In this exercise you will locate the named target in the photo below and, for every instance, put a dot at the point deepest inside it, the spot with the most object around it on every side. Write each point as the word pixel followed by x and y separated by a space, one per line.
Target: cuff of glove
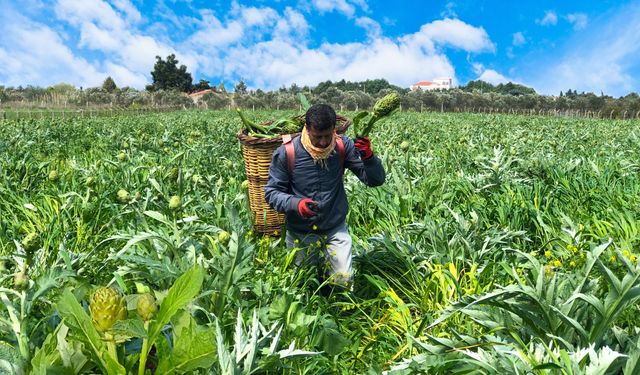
pixel 370 160
pixel 366 157
pixel 293 205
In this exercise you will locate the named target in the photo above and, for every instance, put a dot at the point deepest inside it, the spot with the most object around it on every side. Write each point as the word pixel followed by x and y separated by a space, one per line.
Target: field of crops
pixel 498 244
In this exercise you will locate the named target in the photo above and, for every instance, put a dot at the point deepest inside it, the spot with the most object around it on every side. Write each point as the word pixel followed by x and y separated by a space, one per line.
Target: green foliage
pixel 203 84
pixel 509 88
pixel 498 244
pixel 109 85
pixel 167 75
pixel 371 86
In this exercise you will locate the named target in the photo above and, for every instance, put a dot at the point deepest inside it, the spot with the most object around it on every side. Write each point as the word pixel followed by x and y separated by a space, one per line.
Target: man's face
pixel 320 138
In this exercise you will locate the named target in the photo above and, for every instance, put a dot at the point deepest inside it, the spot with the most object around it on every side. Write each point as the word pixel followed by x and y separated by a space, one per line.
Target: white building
pixel 436 84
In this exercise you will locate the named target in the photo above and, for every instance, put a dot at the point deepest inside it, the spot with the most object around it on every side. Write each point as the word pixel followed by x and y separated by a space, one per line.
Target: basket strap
pixel 340 146
pixel 290 152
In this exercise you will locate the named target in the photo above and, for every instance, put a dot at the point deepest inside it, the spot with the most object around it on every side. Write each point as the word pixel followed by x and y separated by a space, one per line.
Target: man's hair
pixel 320 117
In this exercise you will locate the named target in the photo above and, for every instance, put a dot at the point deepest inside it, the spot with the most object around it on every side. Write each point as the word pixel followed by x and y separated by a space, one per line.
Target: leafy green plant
pixel 109 360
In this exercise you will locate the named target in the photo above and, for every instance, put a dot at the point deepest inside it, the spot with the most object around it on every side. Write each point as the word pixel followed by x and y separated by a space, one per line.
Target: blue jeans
pixel 331 251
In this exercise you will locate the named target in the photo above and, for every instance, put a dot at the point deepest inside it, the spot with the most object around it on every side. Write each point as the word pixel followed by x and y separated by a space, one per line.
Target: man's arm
pixel 276 192
pixel 369 171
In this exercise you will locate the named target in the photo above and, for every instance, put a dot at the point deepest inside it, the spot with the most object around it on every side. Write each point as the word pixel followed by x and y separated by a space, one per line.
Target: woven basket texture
pixel 257 153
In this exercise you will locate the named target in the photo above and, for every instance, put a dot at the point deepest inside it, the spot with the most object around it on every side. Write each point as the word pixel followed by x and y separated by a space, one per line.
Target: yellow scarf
pixel 319 155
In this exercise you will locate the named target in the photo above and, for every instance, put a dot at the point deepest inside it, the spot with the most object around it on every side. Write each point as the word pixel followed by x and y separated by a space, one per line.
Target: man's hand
pixel 363 146
pixel 307 208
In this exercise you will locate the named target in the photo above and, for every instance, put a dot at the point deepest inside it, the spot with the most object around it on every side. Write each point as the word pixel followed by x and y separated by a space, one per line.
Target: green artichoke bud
pixel 174 173
pixel 107 307
pixel 245 184
pixel 141 288
pixel 223 237
pixel 198 179
pixel 386 105
pixel 20 281
pixel 404 145
pixel 88 211
pixel 89 181
pixel 123 196
pixel 146 306
pixel 31 242
pixel 125 144
pixel 122 156
pixel 53 175
pixel 382 108
pixel 175 202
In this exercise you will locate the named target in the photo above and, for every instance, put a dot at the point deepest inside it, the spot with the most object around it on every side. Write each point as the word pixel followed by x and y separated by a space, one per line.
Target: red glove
pixel 363 146
pixel 307 208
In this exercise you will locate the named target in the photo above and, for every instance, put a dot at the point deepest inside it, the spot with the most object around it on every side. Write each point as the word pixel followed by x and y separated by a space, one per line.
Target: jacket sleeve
pixel 370 172
pixel 276 191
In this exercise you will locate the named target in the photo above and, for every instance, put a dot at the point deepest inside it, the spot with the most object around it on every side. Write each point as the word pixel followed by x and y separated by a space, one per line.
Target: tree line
pixel 171 84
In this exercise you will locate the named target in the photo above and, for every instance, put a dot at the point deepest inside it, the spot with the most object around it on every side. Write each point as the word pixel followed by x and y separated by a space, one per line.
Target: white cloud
pixel 91 36
pixel 550 19
pixel 401 61
pixel 105 30
pixel 601 59
pixel 489 75
pixel 36 55
pixel 266 47
pixel 449 11
pixel 451 32
pixel 274 63
pixel 346 7
pixel 94 11
pixel 519 39
pixel 131 12
pixel 213 33
pixel 253 16
pixel 579 20
pixel 125 77
pixel 493 77
pixel 371 26
pixel 291 25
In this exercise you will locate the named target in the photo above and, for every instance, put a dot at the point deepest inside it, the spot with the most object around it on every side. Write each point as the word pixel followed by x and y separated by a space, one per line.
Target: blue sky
pixel 548 45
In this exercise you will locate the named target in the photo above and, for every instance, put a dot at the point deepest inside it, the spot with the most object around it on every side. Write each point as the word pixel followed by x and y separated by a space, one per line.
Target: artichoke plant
pixel 174 173
pixel 386 105
pixel 146 306
pixel 123 196
pixel 107 307
pixel 383 108
pixel 89 181
pixel 175 202
pixel 21 281
pixel 223 237
pixel 53 175
pixel 31 242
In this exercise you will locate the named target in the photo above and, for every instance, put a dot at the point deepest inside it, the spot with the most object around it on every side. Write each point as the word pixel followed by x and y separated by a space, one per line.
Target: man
pixel 309 189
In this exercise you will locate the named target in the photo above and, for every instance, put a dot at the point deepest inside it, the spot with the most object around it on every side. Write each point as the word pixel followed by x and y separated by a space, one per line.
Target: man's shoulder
pixel 345 138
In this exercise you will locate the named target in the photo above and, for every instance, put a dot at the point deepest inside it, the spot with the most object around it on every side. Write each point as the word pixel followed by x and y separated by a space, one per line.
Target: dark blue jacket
pixel 325 186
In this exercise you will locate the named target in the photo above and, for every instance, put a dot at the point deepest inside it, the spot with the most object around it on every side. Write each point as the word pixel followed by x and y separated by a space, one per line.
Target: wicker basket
pixel 257 153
